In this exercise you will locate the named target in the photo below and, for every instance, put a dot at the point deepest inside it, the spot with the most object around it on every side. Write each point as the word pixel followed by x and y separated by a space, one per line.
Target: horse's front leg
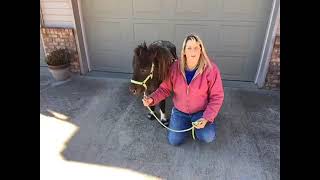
pixel 151 89
pixel 163 119
pixel 150 116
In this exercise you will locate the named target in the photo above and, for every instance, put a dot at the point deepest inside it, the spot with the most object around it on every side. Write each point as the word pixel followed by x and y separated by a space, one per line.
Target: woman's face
pixel 192 51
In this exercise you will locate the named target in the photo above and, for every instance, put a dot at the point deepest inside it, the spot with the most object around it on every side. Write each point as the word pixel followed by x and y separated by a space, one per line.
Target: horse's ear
pixel 144 45
pixel 140 48
pixel 137 51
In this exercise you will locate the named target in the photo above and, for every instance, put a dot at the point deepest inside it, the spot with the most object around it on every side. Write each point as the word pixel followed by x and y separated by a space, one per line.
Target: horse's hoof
pixel 165 122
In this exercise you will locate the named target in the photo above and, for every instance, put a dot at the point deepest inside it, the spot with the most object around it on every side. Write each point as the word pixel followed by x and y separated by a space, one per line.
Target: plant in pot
pixel 58 63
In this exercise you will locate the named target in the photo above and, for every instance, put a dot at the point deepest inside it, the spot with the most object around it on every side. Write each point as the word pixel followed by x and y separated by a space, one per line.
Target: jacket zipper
pixel 197 73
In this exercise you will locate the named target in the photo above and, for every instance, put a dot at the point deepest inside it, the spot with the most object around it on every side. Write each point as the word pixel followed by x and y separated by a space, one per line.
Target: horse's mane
pixel 140 49
pixel 163 59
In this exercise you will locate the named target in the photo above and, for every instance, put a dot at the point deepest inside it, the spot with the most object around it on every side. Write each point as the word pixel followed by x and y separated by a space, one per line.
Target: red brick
pixel 277 42
pixel 56 38
pixel 275 81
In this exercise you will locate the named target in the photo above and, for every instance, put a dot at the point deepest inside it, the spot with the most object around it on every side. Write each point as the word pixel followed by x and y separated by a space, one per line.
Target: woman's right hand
pixel 147 101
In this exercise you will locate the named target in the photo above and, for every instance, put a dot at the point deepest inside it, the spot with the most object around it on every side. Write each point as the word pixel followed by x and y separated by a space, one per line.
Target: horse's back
pixel 167 44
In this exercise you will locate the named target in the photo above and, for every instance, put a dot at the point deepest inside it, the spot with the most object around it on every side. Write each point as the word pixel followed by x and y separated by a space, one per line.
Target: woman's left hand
pixel 201 123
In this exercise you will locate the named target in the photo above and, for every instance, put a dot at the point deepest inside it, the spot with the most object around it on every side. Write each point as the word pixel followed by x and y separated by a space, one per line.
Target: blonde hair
pixel 204 60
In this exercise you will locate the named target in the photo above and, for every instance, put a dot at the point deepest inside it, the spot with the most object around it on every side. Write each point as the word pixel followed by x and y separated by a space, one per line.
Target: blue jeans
pixel 180 120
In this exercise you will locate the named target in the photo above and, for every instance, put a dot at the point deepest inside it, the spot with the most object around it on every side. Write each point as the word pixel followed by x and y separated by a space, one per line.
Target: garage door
pixel 233 30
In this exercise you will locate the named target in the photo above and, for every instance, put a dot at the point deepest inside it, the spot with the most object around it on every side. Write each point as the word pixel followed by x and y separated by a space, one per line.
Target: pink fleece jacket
pixel 205 91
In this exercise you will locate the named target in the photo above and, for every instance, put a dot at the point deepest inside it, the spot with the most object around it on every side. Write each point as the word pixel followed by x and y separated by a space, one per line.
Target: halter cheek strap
pixel 143 83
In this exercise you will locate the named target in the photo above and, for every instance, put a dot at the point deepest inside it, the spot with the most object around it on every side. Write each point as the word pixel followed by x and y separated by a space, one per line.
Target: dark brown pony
pixel 161 54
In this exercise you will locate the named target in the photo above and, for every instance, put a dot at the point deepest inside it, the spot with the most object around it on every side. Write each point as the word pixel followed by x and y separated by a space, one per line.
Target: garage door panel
pixel 108 34
pixel 111 8
pixel 264 9
pixel 235 7
pixel 147 7
pixel 190 8
pixel 234 38
pixel 239 37
pixel 231 67
pixel 155 9
pixel 251 68
pixel 113 61
pixel 257 37
pixel 247 10
pixel 150 32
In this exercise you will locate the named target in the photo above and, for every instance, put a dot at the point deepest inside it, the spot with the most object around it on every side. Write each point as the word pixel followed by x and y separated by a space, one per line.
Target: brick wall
pixel 273 75
pixel 56 38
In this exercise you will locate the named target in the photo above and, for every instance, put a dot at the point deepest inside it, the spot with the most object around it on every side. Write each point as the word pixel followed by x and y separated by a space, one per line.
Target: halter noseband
pixel 143 83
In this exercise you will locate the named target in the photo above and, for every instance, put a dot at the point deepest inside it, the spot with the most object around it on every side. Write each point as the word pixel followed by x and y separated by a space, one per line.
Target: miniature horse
pixel 150 67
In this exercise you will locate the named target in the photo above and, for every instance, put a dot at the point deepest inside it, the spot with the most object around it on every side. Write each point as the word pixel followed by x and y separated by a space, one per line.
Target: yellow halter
pixel 143 83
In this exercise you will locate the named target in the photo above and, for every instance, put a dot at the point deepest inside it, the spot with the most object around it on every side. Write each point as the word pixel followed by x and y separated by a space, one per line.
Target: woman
pixel 198 92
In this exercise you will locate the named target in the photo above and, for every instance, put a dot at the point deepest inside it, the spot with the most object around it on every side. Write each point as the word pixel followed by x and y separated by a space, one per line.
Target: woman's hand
pixel 200 123
pixel 147 101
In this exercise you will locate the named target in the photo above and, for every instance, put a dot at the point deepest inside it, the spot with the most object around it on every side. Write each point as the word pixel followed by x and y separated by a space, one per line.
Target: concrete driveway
pixel 112 135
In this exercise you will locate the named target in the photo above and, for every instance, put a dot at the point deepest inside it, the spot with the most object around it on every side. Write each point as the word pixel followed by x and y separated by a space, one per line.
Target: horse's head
pixel 153 60
pixel 142 66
